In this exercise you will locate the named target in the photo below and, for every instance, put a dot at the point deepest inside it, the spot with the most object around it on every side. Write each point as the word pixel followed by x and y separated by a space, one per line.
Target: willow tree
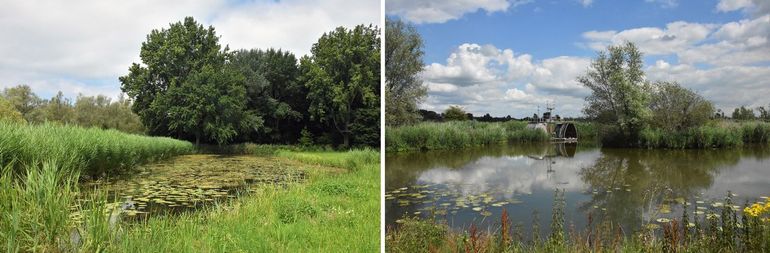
pixel 343 78
pixel 619 92
pixel 403 63
pixel 185 88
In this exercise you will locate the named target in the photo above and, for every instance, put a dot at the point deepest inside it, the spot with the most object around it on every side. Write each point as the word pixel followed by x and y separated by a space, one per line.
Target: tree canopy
pixel 273 91
pixel 343 78
pixel 185 88
pixel 676 108
pixel 455 112
pixel 619 92
pixel 403 62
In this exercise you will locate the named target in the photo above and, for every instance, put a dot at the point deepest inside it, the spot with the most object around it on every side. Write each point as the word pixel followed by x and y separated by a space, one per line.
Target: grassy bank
pixel 715 134
pixel 41 167
pixel 458 135
pixel 330 213
pixel 88 151
pixel 724 229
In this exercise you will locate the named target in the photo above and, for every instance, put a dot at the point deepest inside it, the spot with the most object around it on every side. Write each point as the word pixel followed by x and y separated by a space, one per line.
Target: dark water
pixel 630 187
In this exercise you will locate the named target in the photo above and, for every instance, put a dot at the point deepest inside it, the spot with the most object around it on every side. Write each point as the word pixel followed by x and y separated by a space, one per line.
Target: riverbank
pixel 329 210
pixel 715 134
pixel 458 135
pixel 725 228
pixel 330 213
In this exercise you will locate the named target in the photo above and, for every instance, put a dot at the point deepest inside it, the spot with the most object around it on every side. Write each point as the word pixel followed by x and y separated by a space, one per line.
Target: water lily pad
pixel 477 209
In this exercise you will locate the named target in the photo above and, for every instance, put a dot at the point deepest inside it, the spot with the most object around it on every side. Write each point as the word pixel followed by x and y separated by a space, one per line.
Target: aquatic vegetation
pixel 188 182
pixel 717 134
pixel 35 208
pixel 88 151
pixel 458 134
pixel 332 210
pixel 727 231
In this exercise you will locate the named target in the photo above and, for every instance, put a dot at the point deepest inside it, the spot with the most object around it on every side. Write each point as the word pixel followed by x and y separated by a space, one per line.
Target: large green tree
pixel 675 108
pixel 403 63
pixel 184 87
pixel 620 94
pixel 273 91
pixel 343 78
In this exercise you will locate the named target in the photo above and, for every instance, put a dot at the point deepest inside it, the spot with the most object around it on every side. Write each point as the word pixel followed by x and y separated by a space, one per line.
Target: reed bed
pixel 713 135
pixel 89 151
pixel 458 135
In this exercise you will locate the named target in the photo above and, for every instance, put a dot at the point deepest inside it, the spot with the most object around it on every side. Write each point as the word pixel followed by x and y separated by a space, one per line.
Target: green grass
pixel 331 213
pixel 89 151
pixel 458 135
pixel 716 134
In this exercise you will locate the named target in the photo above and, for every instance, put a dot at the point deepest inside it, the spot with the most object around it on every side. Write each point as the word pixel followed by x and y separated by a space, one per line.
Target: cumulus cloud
pixel 485 79
pixel 720 61
pixel 756 7
pixel 429 11
pixel 586 3
pixel 653 40
pixel 83 46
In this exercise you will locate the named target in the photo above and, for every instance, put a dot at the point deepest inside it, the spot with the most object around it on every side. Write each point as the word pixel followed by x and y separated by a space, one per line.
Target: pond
pixel 634 188
pixel 190 182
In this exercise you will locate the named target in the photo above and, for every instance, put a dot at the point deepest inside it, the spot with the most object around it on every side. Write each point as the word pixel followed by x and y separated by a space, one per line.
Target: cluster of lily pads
pixel 446 199
pixel 188 182
pixel 709 209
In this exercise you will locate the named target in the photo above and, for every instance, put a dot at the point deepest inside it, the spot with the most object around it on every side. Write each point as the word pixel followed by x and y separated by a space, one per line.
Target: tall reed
pixel 90 151
pixel 458 135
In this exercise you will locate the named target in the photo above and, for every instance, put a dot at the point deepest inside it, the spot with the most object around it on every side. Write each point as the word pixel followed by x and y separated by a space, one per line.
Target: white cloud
pixel 486 79
pixel 727 86
pixel 733 5
pixel 756 7
pixel 652 40
pixel 665 3
pixel 83 46
pixel 429 11
pixel 586 3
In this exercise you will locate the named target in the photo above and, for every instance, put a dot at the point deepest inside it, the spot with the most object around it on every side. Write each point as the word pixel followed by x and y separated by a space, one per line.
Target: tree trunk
pixel 346 140
pixel 197 139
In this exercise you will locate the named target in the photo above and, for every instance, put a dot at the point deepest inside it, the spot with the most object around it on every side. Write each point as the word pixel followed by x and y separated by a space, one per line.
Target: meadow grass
pixel 89 151
pixel 723 230
pixel 715 134
pixel 330 213
pixel 458 135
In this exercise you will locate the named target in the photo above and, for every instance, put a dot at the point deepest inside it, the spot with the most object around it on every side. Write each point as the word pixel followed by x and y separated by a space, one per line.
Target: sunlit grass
pixel 330 213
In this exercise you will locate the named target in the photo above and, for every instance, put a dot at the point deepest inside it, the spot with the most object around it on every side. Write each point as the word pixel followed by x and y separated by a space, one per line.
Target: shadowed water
pixel 630 187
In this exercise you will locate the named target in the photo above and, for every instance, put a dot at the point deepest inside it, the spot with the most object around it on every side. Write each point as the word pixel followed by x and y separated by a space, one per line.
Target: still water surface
pixel 630 187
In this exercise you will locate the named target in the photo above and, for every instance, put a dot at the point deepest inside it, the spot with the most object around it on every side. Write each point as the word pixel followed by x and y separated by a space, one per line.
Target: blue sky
pixel 83 46
pixel 718 48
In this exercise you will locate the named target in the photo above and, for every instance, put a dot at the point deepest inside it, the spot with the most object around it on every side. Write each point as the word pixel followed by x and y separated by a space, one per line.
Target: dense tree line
pixel 190 87
pixel 87 111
